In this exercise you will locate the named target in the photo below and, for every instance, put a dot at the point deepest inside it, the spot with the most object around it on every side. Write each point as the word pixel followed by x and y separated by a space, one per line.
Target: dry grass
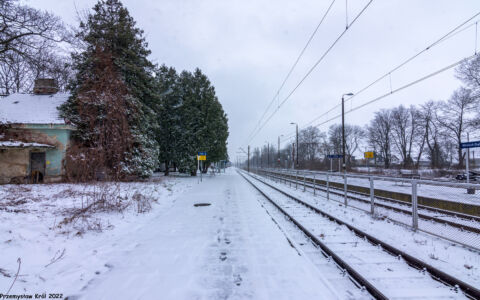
pixel 102 198
pixel 81 207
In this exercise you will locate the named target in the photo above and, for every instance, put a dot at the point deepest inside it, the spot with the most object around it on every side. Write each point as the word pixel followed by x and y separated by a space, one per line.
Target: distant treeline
pixel 403 136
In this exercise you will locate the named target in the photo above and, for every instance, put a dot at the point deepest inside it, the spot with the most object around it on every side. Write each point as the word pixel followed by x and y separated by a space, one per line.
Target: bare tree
pixel 310 139
pixel 429 117
pixel 14 73
pixel 469 73
pixel 420 133
pixel 24 30
pixel 29 47
pixel 454 117
pixel 354 136
pixel 404 131
pixel 379 134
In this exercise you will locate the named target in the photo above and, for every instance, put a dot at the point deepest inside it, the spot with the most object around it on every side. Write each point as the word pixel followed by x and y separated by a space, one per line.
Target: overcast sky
pixel 247 47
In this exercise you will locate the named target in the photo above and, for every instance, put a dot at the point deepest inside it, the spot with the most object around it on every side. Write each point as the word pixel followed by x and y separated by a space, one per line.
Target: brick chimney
pixel 45 86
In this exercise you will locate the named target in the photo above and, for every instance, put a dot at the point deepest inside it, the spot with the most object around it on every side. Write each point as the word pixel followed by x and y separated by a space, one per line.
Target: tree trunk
pixel 460 157
pixel 167 169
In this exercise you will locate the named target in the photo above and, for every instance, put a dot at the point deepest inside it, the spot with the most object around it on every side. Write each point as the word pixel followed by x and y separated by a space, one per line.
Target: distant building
pixel 33 136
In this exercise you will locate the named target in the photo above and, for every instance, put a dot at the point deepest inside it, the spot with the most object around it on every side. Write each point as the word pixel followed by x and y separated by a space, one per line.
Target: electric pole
pixel 343 131
pixel 293 123
pixel 248 159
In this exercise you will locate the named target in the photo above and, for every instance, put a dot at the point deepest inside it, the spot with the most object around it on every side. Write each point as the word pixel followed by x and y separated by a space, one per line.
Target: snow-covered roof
pixel 32 108
pixel 18 144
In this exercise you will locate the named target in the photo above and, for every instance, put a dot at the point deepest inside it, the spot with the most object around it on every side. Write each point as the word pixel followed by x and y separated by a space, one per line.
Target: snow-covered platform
pixel 230 248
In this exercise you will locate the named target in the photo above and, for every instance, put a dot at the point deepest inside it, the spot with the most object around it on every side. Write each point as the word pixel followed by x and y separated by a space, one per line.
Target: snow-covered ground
pixel 61 254
pixel 233 248
pixel 229 249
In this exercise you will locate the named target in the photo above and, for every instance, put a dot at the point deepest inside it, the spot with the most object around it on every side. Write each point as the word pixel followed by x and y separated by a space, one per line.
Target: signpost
pixel 201 156
pixel 332 156
pixel 467 145
pixel 368 155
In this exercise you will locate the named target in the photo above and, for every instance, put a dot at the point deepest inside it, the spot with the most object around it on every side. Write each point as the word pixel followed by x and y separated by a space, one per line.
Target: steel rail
pixel 350 270
pixel 437 274
pixel 432 209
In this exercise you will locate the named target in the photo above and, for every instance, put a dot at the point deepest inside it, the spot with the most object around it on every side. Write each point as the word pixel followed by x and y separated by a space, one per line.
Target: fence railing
pixel 445 209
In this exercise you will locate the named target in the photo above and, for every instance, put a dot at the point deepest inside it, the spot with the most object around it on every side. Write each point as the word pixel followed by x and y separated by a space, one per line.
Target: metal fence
pixel 448 210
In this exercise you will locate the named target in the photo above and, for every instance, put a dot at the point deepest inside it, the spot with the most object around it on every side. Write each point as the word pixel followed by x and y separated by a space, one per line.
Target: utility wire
pixel 311 69
pixel 401 88
pixel 443 38
pixel 395 91
pixel 293 66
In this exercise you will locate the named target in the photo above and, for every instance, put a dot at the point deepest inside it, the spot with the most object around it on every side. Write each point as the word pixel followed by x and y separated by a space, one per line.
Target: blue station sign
pixel 474 144
pixel 334 156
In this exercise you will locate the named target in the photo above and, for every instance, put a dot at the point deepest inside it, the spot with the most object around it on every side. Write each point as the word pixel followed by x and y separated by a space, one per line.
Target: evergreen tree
pixel 111 30
pixel 204 122
pixel 169 133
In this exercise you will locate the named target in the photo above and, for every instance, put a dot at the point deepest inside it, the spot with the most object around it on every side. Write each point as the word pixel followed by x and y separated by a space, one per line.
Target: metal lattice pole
pixel 296 179
pixel 372 197
pixel 314 188
pixel 304 182
pixel 414 205
pixel 328 188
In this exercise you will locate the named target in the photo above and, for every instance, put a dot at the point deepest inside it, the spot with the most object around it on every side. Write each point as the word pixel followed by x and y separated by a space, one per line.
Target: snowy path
pixel 230 249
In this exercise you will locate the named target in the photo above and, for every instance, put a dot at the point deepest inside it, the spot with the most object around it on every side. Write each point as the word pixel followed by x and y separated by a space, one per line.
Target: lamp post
pixel 261 158
pixel 343 131
pixel 293 123
pixel 268 154
pixel 278 151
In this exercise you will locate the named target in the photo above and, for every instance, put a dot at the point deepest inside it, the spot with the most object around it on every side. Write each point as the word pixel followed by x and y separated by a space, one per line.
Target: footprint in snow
pixel 237 279
pixel 223 256
pixel 109 266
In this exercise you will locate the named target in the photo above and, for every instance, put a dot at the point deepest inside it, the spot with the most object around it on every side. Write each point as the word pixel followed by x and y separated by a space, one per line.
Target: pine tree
pixel 170 128
pixel 203 120
pixel 111 30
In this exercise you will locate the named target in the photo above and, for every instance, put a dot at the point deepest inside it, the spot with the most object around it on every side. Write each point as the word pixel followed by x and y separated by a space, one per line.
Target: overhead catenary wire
pixel 451 33
pixel 294 65
pixel 400 88
pixel 310 71
pixel 392 92
pixel 443 38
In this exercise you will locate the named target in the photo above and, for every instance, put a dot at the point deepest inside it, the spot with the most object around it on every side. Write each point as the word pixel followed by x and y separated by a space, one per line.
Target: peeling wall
pixel 16 162
pixel 13 163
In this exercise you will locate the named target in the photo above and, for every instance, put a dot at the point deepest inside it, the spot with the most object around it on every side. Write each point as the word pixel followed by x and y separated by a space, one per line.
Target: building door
pixel 37 166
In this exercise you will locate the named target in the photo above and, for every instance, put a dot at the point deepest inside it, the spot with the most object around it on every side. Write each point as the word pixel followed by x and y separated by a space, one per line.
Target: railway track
pixel 439 213
pixel 428 208
pixel 383 270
